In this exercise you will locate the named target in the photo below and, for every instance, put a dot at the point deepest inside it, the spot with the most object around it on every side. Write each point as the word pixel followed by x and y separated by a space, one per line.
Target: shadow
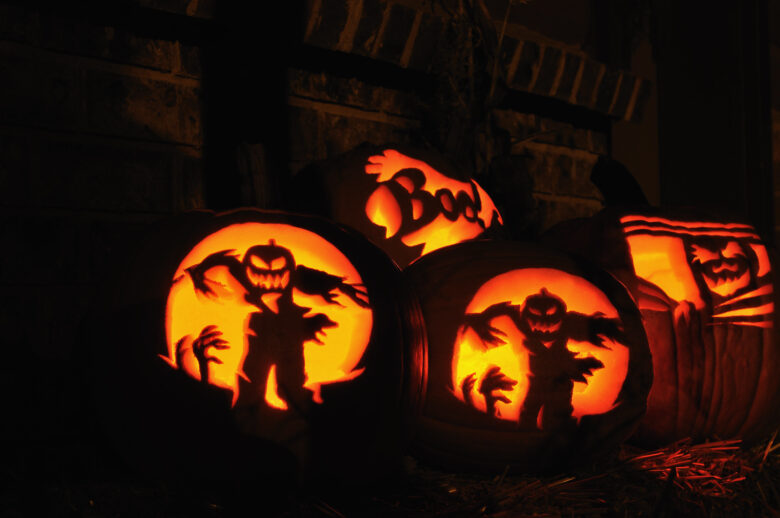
pixel 245 61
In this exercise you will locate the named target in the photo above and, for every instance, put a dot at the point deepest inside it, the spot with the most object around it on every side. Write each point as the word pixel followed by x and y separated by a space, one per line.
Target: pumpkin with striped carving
pixel 705 287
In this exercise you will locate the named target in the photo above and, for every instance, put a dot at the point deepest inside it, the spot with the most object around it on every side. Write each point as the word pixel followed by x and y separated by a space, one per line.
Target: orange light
pixel 599 394
pixel 764 266
pixel 641 220
pixel 333 358
pixel 648 228
pixel 662 261
pixel 472 356
pixel 271 395
pixel 383 209
pixel 719 252
pixel 764 290
pixel 442 232
pixel 765 309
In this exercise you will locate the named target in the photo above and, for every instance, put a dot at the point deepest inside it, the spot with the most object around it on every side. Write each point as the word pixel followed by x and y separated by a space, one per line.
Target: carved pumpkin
pixel 534 360
pixel 285 325
pixel 407 202
pixel 706 293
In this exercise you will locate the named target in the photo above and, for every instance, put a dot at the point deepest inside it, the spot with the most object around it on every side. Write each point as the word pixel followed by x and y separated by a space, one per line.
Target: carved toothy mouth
pixel 726 277
pixel 544 328
pixel 274 280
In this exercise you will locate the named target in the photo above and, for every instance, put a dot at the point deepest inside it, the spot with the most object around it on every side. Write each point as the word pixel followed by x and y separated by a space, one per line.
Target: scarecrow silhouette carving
pixel 547 326
pixel 278 329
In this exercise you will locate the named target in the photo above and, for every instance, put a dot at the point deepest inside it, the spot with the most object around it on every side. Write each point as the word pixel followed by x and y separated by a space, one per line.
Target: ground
pixel 715 479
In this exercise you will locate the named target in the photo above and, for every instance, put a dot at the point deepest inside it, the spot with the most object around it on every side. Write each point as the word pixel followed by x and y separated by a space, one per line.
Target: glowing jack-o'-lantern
pixel 269 311
pixel 280 328
pixel 402 200
pixel 721 265
pixel 534 361
pixel 706 292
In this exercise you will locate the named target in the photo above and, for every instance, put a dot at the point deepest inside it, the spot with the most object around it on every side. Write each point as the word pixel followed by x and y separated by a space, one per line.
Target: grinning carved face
pixel 269 267
pixel 723 263
pixel 543 314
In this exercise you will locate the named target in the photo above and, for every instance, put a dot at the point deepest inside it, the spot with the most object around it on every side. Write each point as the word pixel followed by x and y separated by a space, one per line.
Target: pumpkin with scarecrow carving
pixel 552 367
pixel 280 328
pixel 274 299
pixel 531 358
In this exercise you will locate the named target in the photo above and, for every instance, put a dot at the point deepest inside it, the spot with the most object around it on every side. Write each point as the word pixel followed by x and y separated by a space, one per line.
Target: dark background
pixel 114 115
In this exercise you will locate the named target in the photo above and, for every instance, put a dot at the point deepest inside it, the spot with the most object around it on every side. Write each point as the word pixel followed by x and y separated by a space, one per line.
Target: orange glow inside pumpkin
pixel 764 266
pixel 442 232
pixel 657 249
pixel 763 290
pixel 272 396
pixel 383 210
pixel 662 261
pixel 759 310
pixel 189 311
pixel 706 227
pixel 472 356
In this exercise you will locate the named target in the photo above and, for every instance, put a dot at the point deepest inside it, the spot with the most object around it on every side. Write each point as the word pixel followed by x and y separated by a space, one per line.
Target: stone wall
pixel 546 132
pixel 774 64
pixel 100 133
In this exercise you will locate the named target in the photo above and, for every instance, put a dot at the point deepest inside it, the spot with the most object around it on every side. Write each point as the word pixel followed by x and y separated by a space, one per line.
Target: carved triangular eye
pixel 551 311
pixel 259 263
pixel 732 250
pixel 278 263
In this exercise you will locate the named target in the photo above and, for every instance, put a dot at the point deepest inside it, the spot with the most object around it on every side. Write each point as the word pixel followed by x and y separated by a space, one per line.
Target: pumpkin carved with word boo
pixel 293 323
pixel 534 360
pixel 407 202
pixel 705 288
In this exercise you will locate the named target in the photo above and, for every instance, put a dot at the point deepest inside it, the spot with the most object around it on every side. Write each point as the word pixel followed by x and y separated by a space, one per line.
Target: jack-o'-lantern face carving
pixel 543 315
pixel 270 312
pixel 723 265
pixel 722 268
pixel 540 347
pixel 269 267
pixel 423 209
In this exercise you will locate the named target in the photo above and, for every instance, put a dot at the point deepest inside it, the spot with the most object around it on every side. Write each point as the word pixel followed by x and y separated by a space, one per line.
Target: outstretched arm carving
pixel 480 322
pixel 224 258
pixel 594 328
pixel 317 282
